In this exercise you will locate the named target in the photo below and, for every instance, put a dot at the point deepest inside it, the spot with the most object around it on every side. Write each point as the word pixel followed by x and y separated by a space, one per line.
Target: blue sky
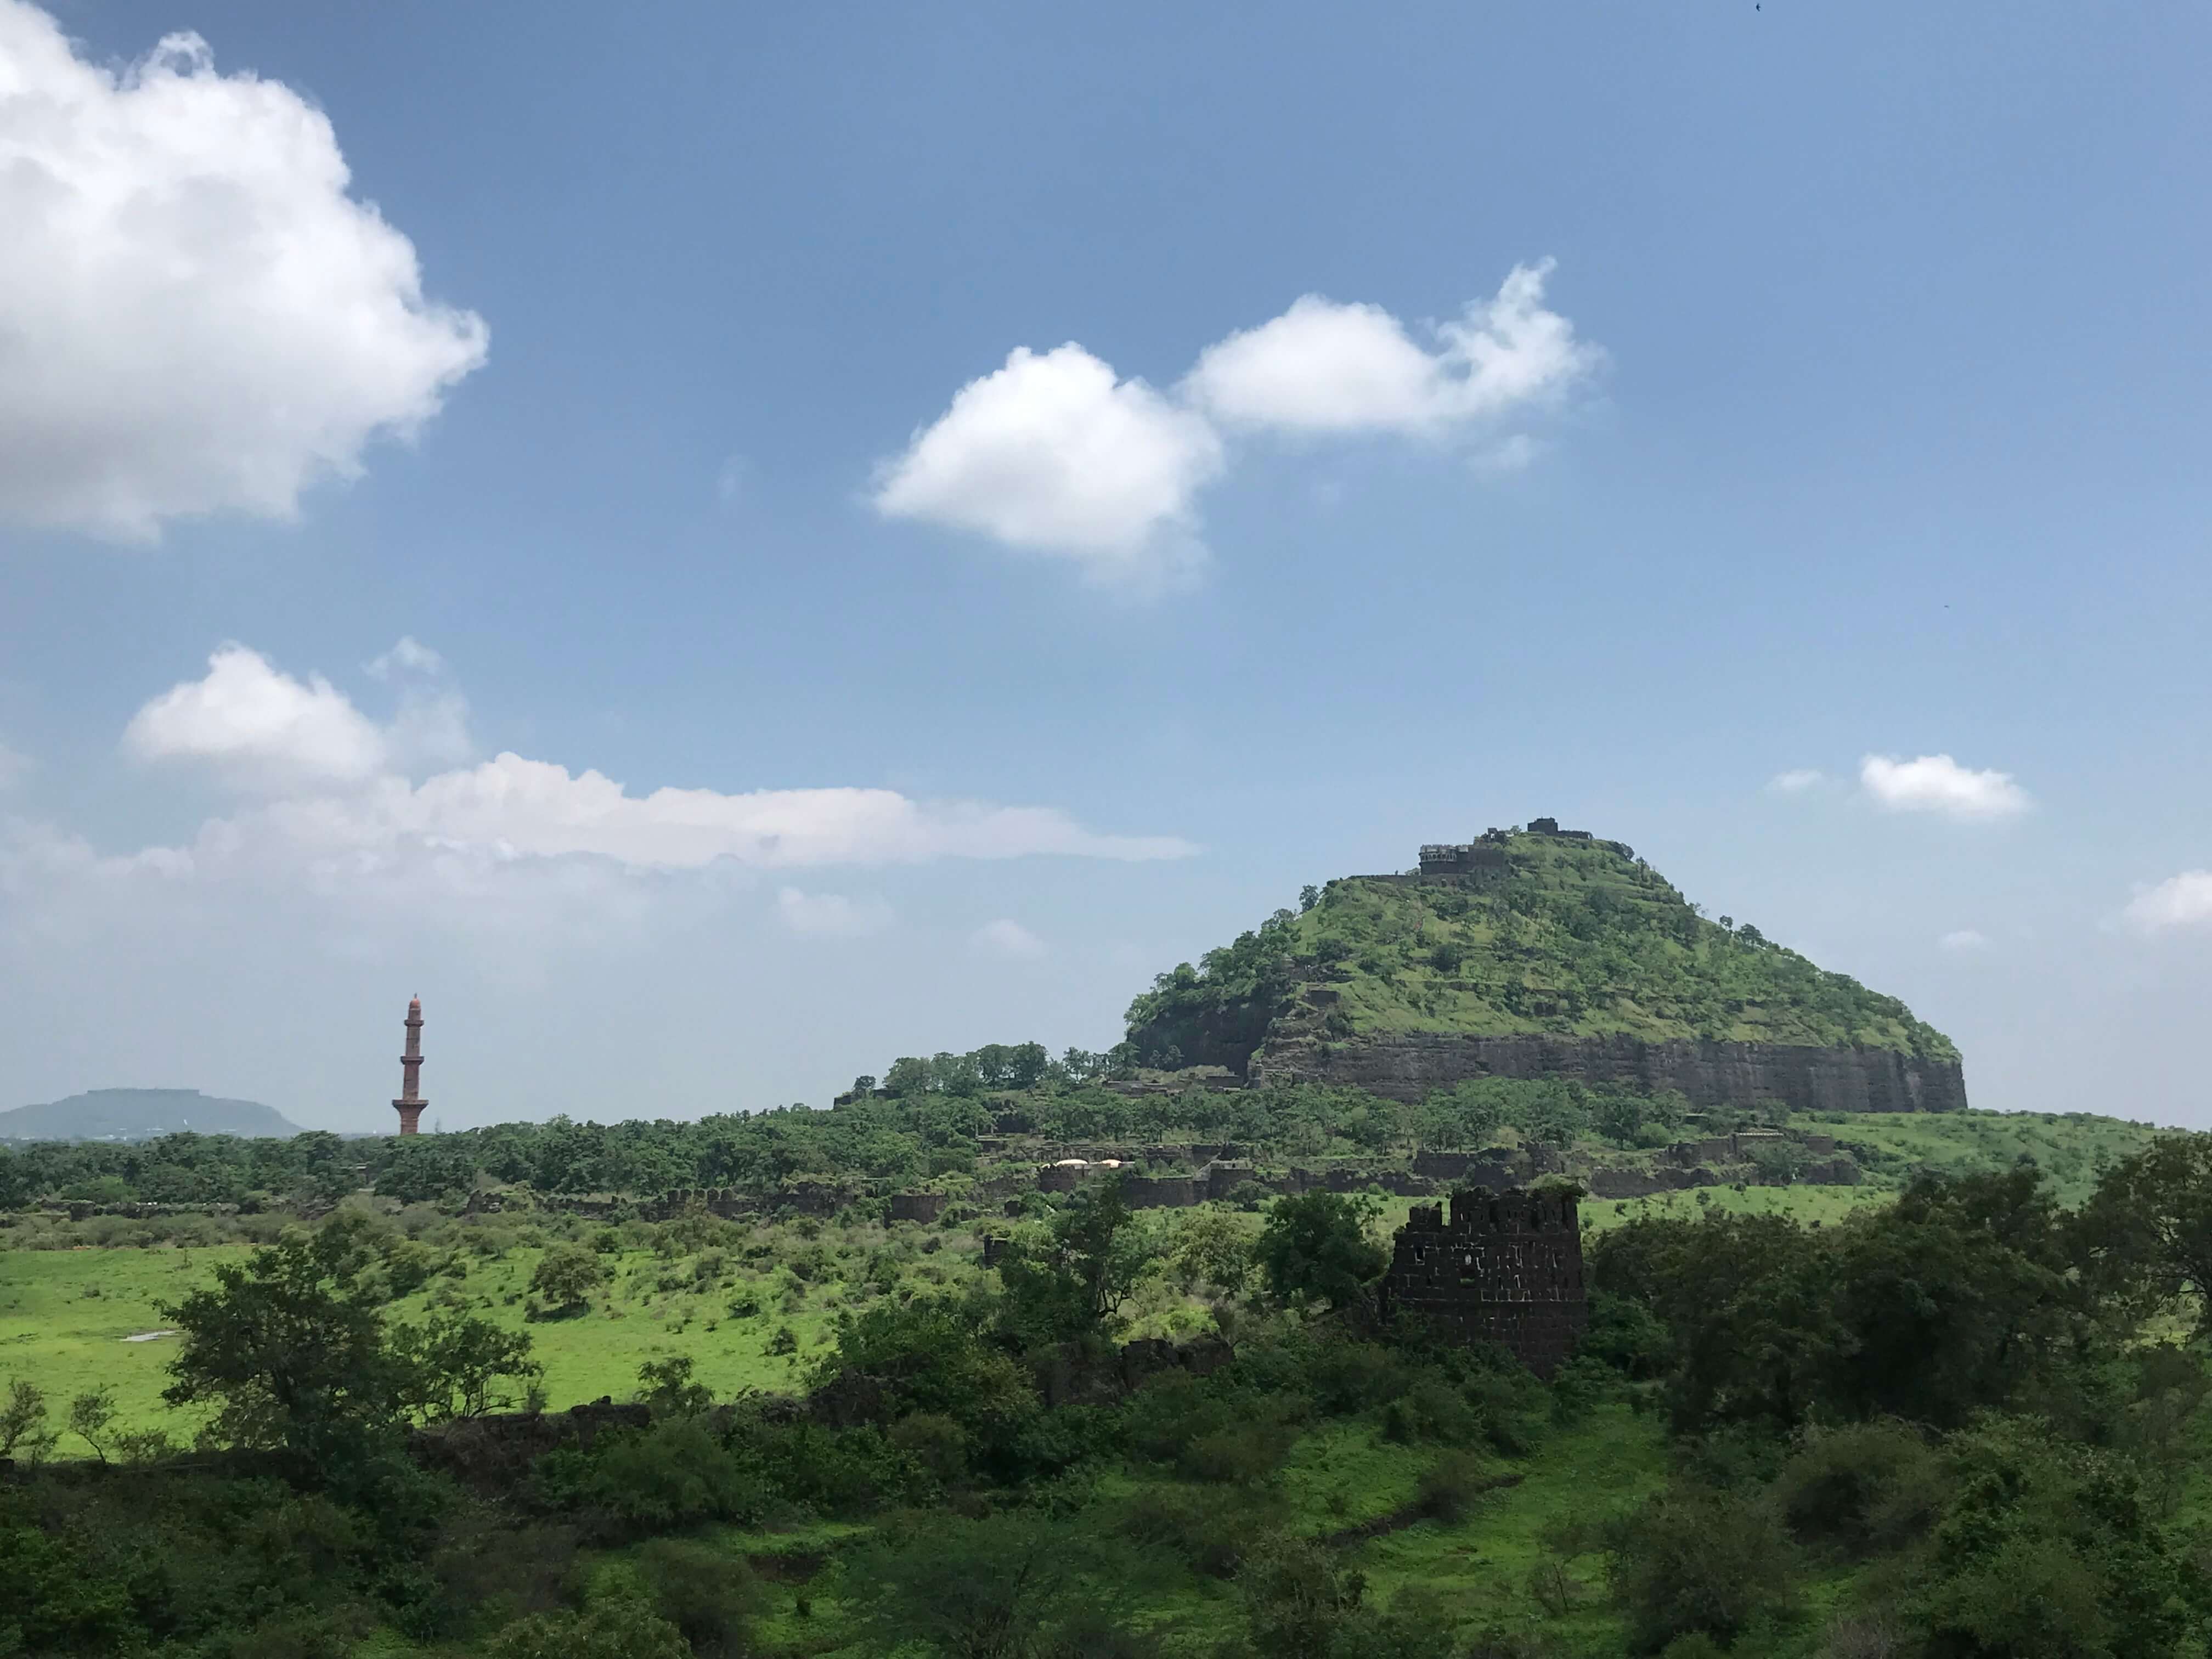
pixel 1849 401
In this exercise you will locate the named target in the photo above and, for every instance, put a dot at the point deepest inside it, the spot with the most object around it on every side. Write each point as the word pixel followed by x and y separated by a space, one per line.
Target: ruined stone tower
pixel 1506 1268
pixel 411 1103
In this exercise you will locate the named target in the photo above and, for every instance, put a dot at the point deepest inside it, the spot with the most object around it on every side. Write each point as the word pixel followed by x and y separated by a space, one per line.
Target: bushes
pixel 677 1474
pixel 1689 1561
pixel 710 1596
pixel 1861 1489
pixel 1449 1486
pixel 623 1627
pixel 1211 1532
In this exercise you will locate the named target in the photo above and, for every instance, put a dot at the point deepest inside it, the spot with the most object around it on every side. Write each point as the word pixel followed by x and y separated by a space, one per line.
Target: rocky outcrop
pixel 1407 1066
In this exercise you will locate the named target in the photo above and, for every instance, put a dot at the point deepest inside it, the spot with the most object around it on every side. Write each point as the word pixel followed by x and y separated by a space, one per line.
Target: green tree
pixel 567 1275
pixel 1211 1247
pixel 2146 1233
pixel 289 1346
pixel 1314 1248
pixel 2046 1549
pixel 1009 1586
pixel 457 1365
pixel 1075 1280
pixel 91 1416
pixel 23 1422
pixel 1690 1562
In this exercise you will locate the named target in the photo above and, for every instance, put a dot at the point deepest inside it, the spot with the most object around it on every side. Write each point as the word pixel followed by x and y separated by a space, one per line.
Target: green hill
pixel 1520 932
pixel 141 1115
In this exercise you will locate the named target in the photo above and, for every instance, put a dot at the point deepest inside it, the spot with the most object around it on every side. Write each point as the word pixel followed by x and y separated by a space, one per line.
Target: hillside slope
pixel 1538 953
pixel 141 1115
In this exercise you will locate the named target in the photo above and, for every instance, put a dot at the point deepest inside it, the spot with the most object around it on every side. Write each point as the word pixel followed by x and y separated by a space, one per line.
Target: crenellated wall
pixel 1504 1267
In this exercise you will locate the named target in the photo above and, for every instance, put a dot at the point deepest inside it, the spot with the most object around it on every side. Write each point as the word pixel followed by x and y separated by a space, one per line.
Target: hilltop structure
pixel 411 1103
pixel 1540 953
pixel 1507 1267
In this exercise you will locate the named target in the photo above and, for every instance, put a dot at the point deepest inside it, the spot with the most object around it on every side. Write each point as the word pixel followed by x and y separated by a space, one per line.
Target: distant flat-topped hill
pixel 141 1115
pixel 1540 952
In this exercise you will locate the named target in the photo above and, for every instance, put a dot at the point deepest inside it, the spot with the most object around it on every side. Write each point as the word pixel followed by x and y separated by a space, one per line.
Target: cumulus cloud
pixel 2179 902
pixel 1936 783
pixel 260 726
pixel 194 315
pixel 1008 938
pixel 830 915
pixel 1057 454
pixel 1796 782
pixel 337 798
pixel 1053 454
pixel 1963 940
pixel 1325 368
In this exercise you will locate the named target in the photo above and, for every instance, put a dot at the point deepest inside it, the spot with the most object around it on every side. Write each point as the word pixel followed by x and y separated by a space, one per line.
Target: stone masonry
pixel 1506 1267
pixel 1409 1066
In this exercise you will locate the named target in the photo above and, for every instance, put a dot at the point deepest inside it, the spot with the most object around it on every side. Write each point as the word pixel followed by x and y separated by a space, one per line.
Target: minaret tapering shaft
pixel 411 1103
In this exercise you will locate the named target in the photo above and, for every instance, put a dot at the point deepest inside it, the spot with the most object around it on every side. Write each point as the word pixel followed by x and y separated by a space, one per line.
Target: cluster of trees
pixel 1217 1013
pixel 927 1126
pixel 1980 1397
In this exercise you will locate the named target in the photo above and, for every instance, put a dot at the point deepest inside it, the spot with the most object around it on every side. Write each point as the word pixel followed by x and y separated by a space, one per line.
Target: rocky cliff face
pixel 1408 1067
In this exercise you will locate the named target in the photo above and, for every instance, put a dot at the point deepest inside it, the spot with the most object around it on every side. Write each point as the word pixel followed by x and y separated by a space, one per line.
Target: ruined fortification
pixel 1407 1066
pixel 1506 1267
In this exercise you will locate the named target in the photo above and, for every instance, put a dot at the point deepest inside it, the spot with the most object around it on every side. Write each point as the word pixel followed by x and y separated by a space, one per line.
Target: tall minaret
pixel 411 1103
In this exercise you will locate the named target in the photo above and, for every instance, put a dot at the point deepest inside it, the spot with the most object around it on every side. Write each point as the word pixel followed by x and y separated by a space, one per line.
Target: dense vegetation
pixel 1574 937
pixel 1967 1422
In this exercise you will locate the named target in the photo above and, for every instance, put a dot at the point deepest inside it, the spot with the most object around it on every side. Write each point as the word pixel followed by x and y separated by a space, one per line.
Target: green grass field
pixel 66 1314
pixel 66 1318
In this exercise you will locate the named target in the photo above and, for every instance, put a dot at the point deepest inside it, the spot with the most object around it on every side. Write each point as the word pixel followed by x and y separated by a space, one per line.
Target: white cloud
pixel 431 728
pixel 195 316
pixel 1322 366
pixel 339 798
pixel 260 726
pixel 1936 783
pixel 1796 782
pixel 1008 938
pixel 14 767
pixel 1964 940
pixel 2182 901
pixel 1052 454
pixel 830 915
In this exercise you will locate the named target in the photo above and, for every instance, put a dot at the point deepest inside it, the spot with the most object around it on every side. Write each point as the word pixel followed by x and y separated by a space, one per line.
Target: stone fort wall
pixel 1410 1065
pixel 1504 1267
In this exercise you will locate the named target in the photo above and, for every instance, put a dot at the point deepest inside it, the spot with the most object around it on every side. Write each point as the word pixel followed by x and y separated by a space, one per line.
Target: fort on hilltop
pixel 1540 953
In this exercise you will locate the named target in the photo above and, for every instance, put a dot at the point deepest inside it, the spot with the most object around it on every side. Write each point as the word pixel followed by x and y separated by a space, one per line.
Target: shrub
pixel 1432 1409
pixel 1245 1454
pixel 712 1597
pixel 1694 1562
pixel 1211 1532
pixel 1861 1489
pixel 566 1277
pixel 624 1628
pixel 1449 1486
pixel 676 1474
